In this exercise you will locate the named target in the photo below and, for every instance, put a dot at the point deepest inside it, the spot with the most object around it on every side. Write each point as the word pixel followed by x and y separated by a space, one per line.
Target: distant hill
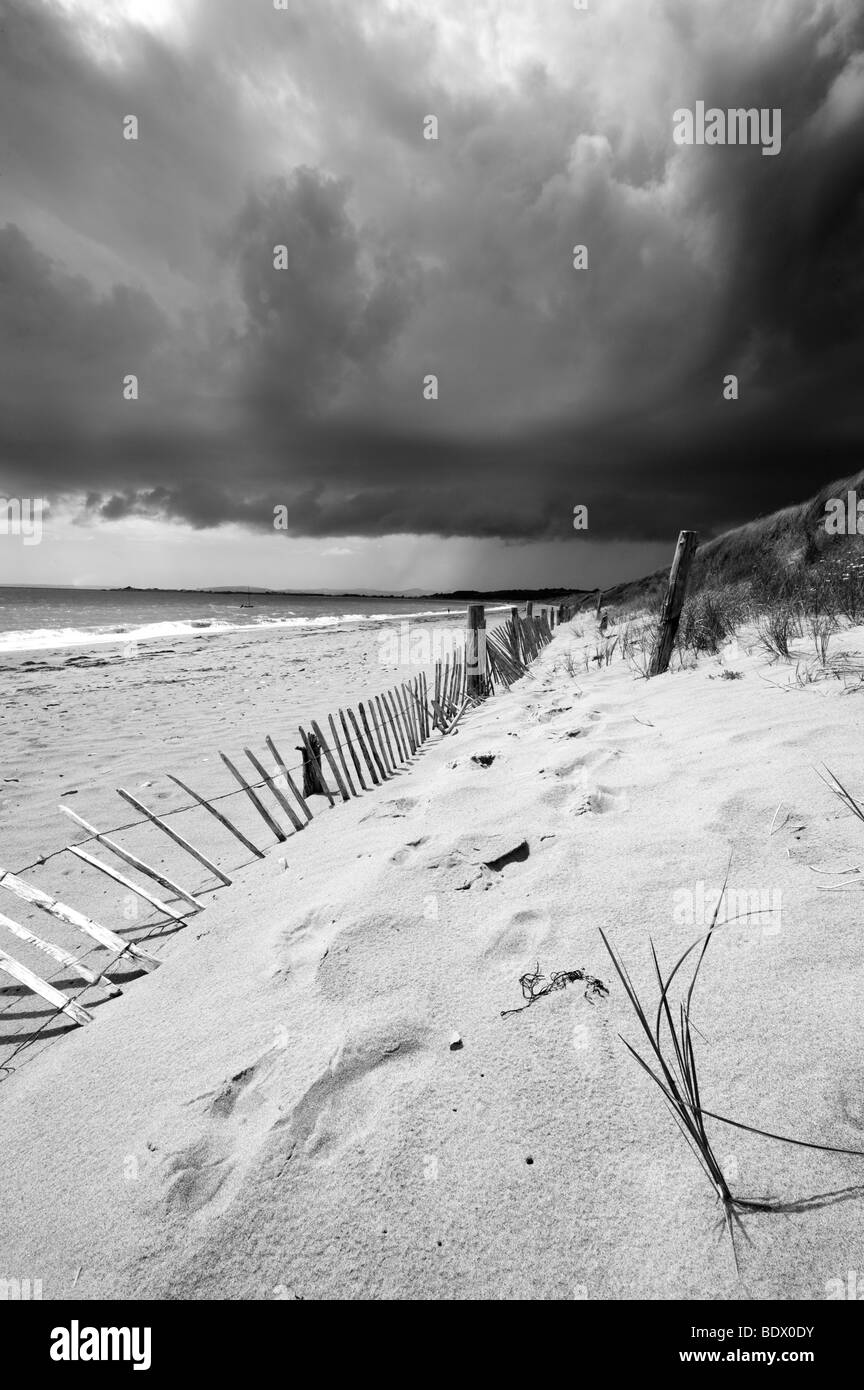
pixel 793 538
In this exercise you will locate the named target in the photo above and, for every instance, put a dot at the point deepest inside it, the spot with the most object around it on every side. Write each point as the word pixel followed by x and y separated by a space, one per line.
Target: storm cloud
pixel 302 386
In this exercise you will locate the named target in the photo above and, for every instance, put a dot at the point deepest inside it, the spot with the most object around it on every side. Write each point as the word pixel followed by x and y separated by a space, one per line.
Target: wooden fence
pixel 361 749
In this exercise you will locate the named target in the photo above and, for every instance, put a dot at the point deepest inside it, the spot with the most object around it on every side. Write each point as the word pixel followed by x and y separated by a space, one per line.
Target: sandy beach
pixel 279 1112
pixel 77 723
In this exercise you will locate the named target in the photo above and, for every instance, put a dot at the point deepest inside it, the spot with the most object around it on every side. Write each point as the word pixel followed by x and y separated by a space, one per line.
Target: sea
pixel 42 619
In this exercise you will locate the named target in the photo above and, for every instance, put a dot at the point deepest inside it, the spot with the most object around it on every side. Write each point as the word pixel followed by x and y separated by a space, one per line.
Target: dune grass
pixel 672 1067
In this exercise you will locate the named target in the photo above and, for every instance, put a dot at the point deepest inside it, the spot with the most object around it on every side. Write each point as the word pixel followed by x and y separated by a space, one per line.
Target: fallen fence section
pixel 395 726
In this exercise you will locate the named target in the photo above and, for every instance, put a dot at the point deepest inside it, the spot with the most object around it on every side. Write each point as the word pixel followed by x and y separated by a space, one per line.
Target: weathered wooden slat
pixel 413 714
pixel 406 720
pixel 37 985
pixel 455 721
pixel 363 749
pixel 131 859
pixel 375 754
pixel 279 795
pixel 111 872
pixel 256 801
pixel 58 954
pixel 388 766
pixel 174 835
pixel 418 709
pixel 304 806
pixel 340 755
pixel 445 686
pixel 323 745
pixel 396 727
pixel 217 815
pixel 351 749
pixel 384 720
pixel 73 918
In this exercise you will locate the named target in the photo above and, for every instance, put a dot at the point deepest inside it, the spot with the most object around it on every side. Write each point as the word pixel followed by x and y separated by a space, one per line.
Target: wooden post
pixel 673 602
pixel 313 775
pixel 529 608
pixel 475 650
pixel 599 603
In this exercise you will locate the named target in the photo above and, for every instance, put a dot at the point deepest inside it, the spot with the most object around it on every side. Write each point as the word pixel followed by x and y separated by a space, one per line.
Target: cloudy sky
pixel 303 387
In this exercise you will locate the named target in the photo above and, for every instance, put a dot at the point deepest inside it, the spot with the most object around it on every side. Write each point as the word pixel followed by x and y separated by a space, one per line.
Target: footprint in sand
pixel 850 1096
pixel 350 969
pixel 408 852
pixel 392 810
pixel 346 1106
pixel 604 799
pixel 520 935
pixel 235 1119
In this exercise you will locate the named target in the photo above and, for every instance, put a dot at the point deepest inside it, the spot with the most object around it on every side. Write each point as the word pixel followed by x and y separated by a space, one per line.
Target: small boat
pixel 248 603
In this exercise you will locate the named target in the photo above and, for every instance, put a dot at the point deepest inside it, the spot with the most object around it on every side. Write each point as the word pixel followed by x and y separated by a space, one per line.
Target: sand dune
pixel 278 1112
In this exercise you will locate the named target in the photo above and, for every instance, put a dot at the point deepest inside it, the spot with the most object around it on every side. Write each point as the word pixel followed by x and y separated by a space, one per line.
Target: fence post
pixel 673 602
pixel 475 650
pixel 529 608
pixel 599 603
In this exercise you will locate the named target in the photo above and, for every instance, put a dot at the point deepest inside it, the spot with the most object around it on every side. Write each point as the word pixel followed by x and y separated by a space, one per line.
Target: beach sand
pixel 277 1112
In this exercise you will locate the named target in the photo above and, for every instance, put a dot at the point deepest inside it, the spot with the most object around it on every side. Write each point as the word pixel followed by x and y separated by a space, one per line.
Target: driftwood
pixel 313 776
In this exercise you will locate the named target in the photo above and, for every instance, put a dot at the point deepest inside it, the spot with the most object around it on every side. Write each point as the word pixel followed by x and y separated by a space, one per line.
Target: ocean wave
pixel 44 639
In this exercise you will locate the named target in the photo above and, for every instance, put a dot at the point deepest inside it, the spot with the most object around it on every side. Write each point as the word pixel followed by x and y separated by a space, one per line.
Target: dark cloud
pixel 302 386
